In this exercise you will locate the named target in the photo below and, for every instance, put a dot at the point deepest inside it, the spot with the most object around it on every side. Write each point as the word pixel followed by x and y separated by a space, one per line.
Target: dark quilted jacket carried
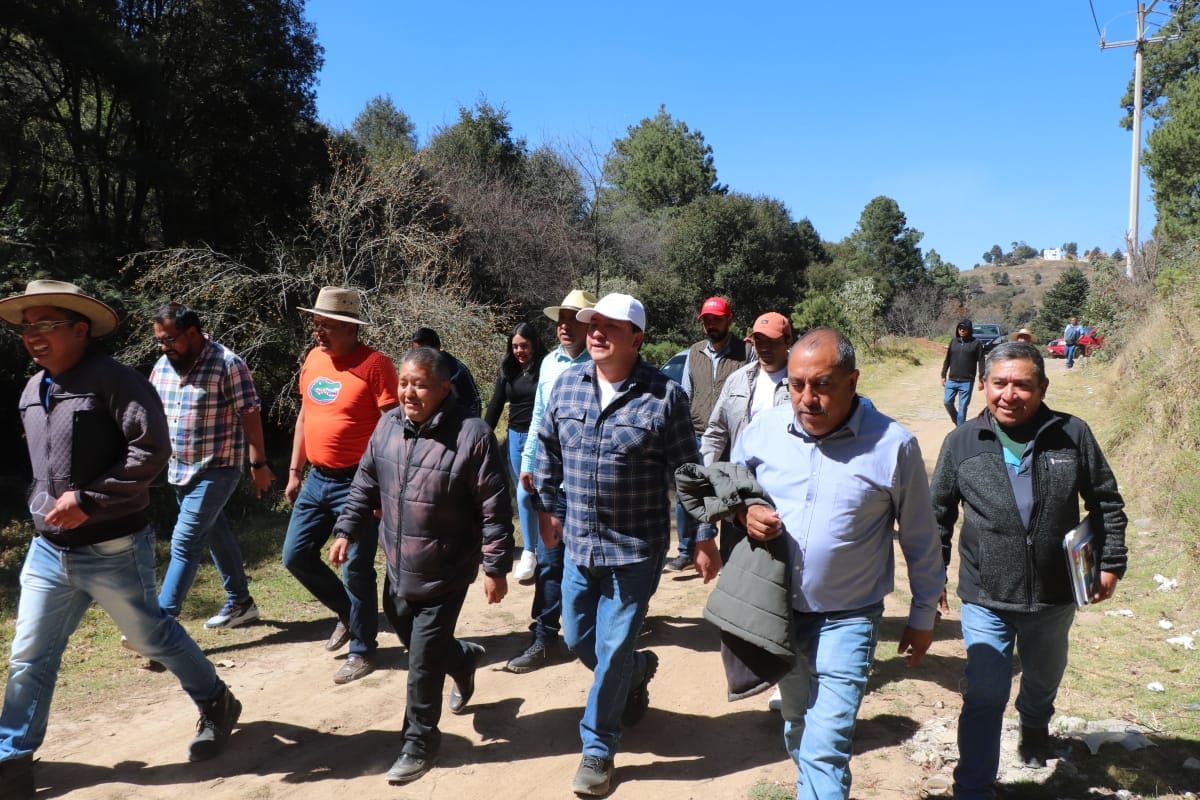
pixel 1003 566
pixel 444 497
pixel 105 437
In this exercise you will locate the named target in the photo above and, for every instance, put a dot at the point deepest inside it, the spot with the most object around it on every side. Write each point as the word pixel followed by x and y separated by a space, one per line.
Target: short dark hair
pixel 846 358
pixel 427 337
pixel 1016 351
pixel 179 315
pixel 428 358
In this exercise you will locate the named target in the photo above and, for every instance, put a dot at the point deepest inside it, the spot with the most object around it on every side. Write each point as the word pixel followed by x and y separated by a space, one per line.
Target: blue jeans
pixel 963 389
pixel 1041 642
pixel 355 601
pixel 57 586
pixel 547 589
pixel 822 694
pixel 202 521
pixel 685 526
pixel 603 612
pixel 530 532
pixel 426 629
pixel 1071 348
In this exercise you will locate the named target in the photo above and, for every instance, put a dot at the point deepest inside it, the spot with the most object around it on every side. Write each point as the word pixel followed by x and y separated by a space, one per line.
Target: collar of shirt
pixel 849 428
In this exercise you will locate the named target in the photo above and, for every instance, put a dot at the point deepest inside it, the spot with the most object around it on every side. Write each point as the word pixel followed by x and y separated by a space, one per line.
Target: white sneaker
pixel 233 614
pixel 526 566
pixel 776 701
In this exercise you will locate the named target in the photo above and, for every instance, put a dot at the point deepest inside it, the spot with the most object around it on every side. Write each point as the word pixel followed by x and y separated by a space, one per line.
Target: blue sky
pixel 987 123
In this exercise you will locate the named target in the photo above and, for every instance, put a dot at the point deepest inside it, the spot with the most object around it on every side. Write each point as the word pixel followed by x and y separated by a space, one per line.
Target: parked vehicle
pixel 989 333
pixel 1090 341
pixel 673 369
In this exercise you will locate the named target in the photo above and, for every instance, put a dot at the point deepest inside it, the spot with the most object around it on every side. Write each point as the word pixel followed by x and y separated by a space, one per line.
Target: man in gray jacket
pixel 438 479
pixel 97 437
pixel 1019 471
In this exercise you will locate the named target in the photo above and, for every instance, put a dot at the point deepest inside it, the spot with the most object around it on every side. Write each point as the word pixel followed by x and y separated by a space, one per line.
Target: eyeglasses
pixel 165 341
pixel 326 325
pixel 45 326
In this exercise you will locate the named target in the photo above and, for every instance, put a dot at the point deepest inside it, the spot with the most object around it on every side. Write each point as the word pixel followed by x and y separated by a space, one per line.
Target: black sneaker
pixel 464 682
pixel 539 654
pixel 16 778
pixel 594 776
pixel 1034 746
pixel 408 768
pixel 217 721
pixel 678 564
pixel 638 699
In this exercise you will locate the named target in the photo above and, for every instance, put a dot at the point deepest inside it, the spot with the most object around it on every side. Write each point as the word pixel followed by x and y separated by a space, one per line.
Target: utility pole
pixel 1132 241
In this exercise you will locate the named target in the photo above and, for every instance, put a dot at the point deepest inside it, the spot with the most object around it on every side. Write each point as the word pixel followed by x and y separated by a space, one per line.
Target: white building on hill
pixel 1052 254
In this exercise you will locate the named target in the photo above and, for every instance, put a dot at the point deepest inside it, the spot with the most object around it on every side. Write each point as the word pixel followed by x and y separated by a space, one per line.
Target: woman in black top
pixel 517 385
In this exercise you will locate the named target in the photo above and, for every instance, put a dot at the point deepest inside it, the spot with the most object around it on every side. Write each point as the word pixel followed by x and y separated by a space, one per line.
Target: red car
pixel 1089 342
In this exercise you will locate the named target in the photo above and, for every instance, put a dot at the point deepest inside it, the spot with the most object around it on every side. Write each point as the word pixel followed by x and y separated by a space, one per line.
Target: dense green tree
pixel 384 132
pixel 1173 161
pixel 1065 299
pixel 1168 62
pixel 818 311
pixel 884 248
pixel 945 276
pixel 1070 249
pixel 996 255
pixel 480 144
pixel 662 163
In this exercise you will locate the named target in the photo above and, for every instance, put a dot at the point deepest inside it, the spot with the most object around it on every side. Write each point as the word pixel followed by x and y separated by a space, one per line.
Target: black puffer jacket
pixel 443 491
pixel 1003 566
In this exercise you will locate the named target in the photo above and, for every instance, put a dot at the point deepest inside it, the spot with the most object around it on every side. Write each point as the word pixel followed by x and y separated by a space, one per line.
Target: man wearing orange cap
pixel 709 363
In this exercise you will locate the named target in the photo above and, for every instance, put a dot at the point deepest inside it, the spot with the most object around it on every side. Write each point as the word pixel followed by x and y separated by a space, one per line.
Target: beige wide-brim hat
pixel 1024 332
pixel 61 294
pixel 344 305
pixel 577 300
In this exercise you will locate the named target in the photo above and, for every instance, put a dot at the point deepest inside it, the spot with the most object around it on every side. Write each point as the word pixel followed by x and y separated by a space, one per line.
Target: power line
pixel 1095 21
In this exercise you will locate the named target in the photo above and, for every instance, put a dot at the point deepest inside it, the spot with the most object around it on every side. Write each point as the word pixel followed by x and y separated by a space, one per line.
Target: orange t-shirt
pixel 343 398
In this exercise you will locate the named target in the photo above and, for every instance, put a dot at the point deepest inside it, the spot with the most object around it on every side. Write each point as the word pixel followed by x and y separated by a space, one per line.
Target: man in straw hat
pixel 547 594
pixel 97 438
pixel 345 387
pixel 1023 335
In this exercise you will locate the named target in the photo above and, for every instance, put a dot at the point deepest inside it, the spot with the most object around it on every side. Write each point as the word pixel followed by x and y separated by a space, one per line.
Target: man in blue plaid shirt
pixel 614 431
pixel 213 414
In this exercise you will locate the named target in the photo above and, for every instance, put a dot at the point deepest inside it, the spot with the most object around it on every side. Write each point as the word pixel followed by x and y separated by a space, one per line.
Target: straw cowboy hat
pixel 1023 335
pixel 344 305
pixel 577 300
pixel 60 294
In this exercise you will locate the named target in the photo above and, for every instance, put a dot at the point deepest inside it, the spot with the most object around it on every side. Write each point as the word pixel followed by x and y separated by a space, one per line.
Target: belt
pixel 343 474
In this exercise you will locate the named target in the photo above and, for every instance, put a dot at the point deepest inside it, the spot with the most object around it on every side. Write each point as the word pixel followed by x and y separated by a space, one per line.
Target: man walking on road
pixel 213 415
pixel 614 433
pixel 964 358
pixel 1071 336
pixel 709 363
pixel 97 438
pixel 345 388
pixel 847 483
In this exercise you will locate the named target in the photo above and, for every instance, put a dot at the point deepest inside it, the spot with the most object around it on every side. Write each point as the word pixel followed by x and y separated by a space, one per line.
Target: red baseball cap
pixel 716 306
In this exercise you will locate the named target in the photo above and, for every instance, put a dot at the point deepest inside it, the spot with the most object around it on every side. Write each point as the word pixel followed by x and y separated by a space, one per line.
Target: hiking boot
pixel 594 776
pixel 16 778
pixel 217 721
pixel 358 665
pixel 464 682
pixel 1034 746
pixel 408 768
pixel 339 637
pixel 540 654
pixel 233 614
pixel 638 699
pixel 679 563
pixel 526 568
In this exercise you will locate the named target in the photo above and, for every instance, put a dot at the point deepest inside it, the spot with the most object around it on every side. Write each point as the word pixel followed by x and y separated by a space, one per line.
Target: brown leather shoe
pixel 356 666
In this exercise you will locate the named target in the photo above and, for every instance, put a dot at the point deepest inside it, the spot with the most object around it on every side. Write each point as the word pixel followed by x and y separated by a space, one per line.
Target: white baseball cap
pixel 616 306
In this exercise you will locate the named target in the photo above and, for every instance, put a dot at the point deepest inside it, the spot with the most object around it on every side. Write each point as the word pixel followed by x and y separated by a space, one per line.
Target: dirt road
pixel 303 737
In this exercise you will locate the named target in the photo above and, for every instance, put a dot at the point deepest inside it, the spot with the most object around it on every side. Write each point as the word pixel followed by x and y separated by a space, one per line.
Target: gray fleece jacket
pixel 1005 566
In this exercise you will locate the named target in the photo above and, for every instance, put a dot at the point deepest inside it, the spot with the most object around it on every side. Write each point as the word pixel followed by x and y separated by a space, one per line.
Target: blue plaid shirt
pixel 615 464
pixel 204 411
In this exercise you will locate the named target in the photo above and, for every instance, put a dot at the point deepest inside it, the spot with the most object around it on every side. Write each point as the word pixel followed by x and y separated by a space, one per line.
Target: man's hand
pixel 495 588
pixel 551 527
pixel 527 481
pixel 292 491
pixel 337 551
pixel 913 645
pixel 943 381
pixel 707 559
pixel 943 606
pixel 761 522
pixel 1103 590
pixel 262 477
pixel 66 513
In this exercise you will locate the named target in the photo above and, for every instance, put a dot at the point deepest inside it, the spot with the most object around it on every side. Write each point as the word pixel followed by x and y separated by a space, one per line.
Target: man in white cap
pixel 615 431
pixel 709 364
pixel 547 593
pixel 345 387
pixel 97 437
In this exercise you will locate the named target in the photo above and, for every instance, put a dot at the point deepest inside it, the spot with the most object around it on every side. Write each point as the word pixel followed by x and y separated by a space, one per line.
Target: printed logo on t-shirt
pixel 324 390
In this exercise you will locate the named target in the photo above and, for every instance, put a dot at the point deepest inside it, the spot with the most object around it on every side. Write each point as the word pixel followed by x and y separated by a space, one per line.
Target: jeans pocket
pixel 112 548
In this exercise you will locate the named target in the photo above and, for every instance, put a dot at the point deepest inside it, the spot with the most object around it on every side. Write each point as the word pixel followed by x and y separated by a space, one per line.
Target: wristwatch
pixel 257 464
